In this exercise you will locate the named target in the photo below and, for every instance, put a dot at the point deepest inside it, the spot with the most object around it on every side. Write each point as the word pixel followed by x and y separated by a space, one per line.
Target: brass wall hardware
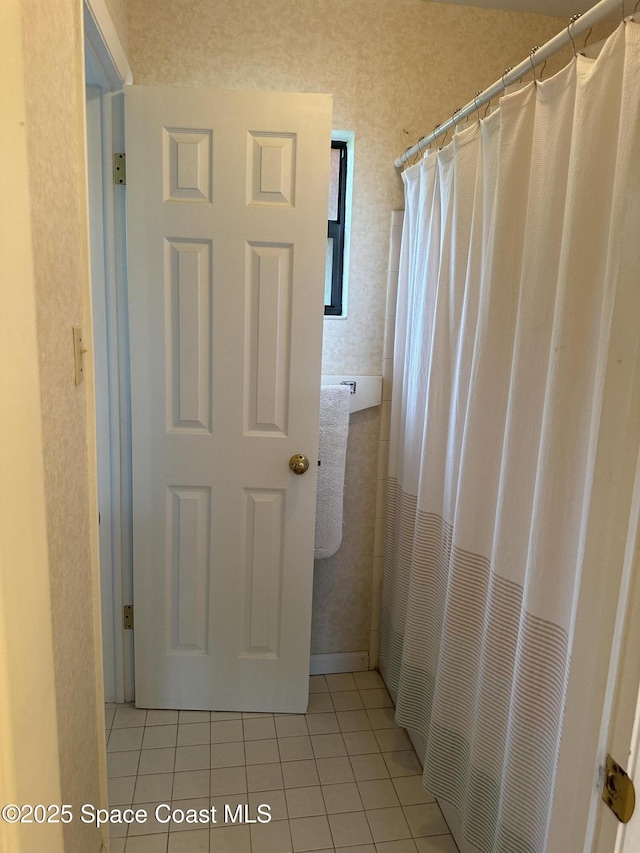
pixel 79 351
pixel 618 791
pixel 299 463
pixel 119 168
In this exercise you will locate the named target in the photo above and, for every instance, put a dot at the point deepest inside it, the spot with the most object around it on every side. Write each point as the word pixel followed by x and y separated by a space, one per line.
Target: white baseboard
pixel 339 662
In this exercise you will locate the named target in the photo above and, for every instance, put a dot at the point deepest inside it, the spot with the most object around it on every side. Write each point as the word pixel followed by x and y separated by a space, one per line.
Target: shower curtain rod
pixel 538 55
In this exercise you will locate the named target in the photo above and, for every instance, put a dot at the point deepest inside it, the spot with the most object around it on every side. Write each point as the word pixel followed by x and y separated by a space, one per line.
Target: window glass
pixel 328 276
pixel 334 184
pixel 336 229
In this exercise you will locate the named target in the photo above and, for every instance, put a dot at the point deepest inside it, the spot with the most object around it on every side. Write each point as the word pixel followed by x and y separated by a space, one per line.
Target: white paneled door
pixel 227 211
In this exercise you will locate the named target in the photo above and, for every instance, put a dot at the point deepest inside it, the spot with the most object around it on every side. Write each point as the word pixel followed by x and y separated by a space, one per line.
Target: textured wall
pixel 395 68
pixel 118 11
pixel 29 764
pixel 54 94
pixel 342 583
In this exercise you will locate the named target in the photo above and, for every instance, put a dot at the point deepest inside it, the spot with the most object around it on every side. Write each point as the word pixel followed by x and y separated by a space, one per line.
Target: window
pixel 333 288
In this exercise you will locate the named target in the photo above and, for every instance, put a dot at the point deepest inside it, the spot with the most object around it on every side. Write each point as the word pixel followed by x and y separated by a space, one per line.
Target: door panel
pixel 227 204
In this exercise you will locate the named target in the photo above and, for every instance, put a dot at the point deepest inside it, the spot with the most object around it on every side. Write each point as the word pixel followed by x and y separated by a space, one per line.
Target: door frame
pixel 628 835
pixel 110 72
pixel 620 731
pixel 102 37
pixel 602 690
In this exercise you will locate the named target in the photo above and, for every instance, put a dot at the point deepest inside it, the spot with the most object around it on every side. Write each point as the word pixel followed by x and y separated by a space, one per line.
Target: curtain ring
pixel 477 95
pixel 573 19
pixel 487 108
pixel 584 46
pixel 533 68
pixel 506 71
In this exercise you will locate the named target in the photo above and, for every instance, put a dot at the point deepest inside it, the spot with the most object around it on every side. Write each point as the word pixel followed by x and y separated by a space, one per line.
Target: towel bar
pixel 366 391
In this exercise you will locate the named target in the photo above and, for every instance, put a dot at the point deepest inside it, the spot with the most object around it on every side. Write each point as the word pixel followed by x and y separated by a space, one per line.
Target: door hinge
pixel 618 791
pixel 127 616
pixel 119 168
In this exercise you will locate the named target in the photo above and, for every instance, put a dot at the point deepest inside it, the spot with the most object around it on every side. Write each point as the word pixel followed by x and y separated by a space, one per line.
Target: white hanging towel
pixel 332 453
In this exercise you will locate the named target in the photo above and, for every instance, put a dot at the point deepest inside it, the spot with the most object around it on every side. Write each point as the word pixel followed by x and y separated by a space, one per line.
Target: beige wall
pixel 29 768
pixel 395 68
pixel 54 97
pixel 118 11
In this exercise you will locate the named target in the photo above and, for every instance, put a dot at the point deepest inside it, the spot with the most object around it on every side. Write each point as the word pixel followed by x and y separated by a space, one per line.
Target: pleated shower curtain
pixel 518 239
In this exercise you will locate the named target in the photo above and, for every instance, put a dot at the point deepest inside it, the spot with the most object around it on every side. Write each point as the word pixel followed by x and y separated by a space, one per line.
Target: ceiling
pixel 555 8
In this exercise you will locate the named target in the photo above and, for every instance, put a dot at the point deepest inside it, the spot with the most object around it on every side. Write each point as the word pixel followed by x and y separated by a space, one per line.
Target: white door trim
pixel 620 733
pixel 605 666
pixel 628 835
pixel 103 37
pixel 110 71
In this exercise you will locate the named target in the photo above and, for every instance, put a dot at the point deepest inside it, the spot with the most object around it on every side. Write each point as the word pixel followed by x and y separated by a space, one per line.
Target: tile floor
pixel 342 777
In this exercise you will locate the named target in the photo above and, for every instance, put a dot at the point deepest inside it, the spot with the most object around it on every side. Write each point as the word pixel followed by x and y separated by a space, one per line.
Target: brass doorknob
pixel 299 463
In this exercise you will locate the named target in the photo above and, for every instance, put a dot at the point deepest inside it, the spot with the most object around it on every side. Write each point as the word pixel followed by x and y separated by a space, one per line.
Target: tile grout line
pixel 325 730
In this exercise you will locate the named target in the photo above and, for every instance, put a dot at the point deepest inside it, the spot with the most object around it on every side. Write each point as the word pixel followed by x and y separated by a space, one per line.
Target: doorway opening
pixel 106 73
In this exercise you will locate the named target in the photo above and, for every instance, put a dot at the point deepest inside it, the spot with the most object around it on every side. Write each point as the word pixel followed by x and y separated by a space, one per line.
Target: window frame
pixel 336 229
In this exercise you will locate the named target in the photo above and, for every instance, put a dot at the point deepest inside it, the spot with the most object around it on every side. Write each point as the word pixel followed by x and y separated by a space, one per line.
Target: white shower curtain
pixel 520 240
